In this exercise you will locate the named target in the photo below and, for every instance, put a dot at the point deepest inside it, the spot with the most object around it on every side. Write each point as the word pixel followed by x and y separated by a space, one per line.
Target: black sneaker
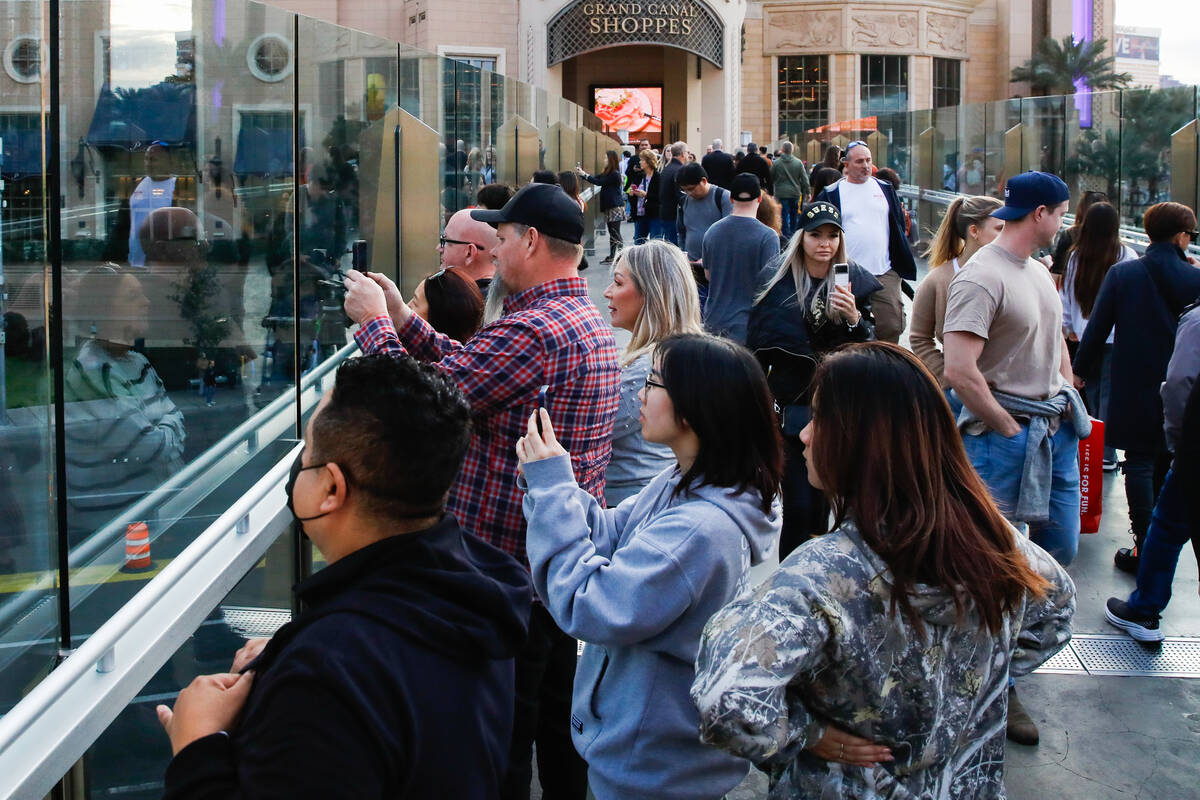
pixel 1126 558
pixel 1140 627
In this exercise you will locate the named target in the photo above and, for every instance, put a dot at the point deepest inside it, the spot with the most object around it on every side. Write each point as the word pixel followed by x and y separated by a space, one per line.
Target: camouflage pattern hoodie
pixel 816 644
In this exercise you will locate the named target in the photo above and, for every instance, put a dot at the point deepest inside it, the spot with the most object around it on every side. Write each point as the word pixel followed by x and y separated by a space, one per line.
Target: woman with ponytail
pixel 967 226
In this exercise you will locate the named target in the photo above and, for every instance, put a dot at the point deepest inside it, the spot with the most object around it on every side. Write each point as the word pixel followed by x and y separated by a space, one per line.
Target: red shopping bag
pixel 1091 479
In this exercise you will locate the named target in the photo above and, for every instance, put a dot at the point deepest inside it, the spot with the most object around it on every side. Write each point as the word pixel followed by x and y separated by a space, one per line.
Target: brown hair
pixel 611 162
pixel 891 459
pixel 455 304
pixel 1089 199
pixel 951 235
pixel 1097 247
pixel 769 214
pixel 1164 220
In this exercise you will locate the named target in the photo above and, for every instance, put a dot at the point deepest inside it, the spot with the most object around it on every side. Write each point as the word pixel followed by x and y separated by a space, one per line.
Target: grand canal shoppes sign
pixel 589 25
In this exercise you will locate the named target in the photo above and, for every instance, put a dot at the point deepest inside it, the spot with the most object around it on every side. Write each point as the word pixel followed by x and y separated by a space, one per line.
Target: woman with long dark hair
pixel 800 316
pixel 822 177
pixel 1067 236
pixel 638 582
pixel 450 303
pixel 1096 249
pixel 875 662
pixel 831 160
pixel 612 204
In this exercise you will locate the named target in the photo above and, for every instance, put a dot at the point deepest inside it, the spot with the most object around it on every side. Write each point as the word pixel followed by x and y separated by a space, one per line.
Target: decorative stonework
pixel 945 33
pixel 803 30
pixel 883 30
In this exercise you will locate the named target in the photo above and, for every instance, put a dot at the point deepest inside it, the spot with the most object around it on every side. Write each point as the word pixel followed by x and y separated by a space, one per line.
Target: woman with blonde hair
pixel 653 296
pixel 967 226
pixel 805 312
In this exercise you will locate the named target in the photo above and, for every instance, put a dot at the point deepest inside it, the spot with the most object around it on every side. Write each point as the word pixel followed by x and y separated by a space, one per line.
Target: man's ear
pixel 335 487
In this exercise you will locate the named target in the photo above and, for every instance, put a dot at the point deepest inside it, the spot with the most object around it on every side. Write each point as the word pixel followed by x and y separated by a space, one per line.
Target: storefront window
pixel 947 82
pixel 884 84
pixel 803 94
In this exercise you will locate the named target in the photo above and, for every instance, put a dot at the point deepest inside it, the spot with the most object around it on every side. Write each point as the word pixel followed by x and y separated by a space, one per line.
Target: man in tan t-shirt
pixel 1007 362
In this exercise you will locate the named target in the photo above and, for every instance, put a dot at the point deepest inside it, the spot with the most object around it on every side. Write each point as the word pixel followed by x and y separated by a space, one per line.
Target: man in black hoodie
pixel 397 681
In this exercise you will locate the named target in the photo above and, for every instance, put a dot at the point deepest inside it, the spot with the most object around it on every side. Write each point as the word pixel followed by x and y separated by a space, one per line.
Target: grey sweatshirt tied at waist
pixel 1033 499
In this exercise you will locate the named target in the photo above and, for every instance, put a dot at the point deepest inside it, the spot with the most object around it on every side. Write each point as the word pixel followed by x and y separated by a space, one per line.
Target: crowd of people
pixel 494 482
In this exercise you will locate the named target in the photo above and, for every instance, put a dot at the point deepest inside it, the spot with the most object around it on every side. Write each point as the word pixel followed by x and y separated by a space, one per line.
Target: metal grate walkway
pixel 1115 654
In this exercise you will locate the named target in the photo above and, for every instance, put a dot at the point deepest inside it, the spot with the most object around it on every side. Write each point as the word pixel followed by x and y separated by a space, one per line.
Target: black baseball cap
pixel 814 215
pixel 1025 192
pixel 745 187
pixel 541 206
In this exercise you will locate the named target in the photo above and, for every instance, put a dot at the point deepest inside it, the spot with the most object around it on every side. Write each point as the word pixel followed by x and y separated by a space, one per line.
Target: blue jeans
pixel 666 230
pixel 1170 530
pixel 999 460
pixel 642 229
pixel 790 209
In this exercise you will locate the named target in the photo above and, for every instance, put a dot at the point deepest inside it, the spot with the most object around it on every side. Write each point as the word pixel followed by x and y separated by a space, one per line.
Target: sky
pixel 1179 48
pixel 143 45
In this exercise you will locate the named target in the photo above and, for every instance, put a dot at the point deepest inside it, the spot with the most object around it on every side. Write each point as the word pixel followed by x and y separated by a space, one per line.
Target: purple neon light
pixel 1082 30
pixel 219 22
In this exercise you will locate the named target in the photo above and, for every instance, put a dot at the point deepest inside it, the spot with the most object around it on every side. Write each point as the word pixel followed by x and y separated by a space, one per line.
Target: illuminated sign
pixel 589 25
pixel 1143 48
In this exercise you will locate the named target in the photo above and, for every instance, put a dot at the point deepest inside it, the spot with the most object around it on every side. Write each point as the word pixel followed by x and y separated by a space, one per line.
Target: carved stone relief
pixel 798 30
pixel 883 30
pixel 946 33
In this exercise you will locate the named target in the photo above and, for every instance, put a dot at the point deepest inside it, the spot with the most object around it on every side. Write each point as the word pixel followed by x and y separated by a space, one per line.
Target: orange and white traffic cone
pixel 137 548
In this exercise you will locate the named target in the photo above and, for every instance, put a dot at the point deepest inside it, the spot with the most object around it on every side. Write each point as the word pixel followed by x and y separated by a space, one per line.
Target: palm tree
pixel 1057 66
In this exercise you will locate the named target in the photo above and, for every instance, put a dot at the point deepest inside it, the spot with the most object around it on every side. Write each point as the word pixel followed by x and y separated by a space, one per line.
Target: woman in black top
pixel 800 316
pixel 612 204
pixel 644 200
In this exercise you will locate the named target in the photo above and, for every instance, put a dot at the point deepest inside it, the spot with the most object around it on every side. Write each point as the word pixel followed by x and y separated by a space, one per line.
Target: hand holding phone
pixel 541 401
pixel 841 275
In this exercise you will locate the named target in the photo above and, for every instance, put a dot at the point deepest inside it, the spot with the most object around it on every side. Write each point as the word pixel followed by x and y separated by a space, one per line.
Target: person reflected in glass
pixel 160 188
pixel 127 435
pixel 875 661
pixel 653 296
pixel 803 314
pixel 450 303
pixel 637 583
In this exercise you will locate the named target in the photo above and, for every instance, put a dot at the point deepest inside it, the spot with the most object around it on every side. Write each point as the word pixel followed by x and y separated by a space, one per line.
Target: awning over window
pixel 849 126
pixel 265 152
pixel 130 119
pixel 22 153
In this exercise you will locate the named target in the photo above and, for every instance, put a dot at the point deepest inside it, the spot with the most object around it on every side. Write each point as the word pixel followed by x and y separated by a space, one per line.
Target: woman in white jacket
pixel 638 582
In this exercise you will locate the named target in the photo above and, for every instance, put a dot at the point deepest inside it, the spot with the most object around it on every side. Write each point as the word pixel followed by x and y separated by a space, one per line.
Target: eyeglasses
pixel 652 384
pixel 443 241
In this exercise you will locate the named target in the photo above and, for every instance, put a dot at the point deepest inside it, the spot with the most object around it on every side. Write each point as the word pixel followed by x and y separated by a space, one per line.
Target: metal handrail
pixel 51 727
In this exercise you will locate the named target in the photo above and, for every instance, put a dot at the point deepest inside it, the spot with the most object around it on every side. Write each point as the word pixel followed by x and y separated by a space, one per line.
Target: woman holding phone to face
pixel 638 582
pixel 802 314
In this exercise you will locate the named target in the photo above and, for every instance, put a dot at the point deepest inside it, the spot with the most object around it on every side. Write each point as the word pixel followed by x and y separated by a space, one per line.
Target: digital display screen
pixel 637 109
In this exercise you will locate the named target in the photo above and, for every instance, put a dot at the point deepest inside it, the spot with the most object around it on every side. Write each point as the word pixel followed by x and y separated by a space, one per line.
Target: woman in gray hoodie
pixel 638 582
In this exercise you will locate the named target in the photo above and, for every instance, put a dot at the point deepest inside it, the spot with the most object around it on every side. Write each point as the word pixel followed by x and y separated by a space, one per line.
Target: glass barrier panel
pixel 1148 119
pixel 29 612
pixel 178 301
pixel 972 149
pixel 1002 144
pixel 1093 145
pixel 130 758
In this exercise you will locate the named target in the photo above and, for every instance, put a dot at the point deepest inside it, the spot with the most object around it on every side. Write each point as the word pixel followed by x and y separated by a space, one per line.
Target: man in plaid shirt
pixel 551 334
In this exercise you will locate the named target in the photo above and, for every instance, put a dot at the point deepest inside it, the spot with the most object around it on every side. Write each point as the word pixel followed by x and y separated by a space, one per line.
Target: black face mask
pixel 297 468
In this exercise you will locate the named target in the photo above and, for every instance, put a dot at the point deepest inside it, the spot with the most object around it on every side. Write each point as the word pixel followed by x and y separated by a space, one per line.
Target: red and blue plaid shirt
pixel 549 334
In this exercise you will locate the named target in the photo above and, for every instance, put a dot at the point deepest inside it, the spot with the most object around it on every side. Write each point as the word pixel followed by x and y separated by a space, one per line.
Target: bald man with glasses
pixel 466 245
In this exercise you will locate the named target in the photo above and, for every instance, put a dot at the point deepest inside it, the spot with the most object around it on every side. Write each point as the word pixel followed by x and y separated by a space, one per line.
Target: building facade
pixel 742 69
pixel 1136 51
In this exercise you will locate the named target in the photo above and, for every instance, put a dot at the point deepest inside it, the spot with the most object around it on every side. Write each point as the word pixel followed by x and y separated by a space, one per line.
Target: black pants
pixel 1145 471
pixel 545 675
pixel 805 511
pixel 614 238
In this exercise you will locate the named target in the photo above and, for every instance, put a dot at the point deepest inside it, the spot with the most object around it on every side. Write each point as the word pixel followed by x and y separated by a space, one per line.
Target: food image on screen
pixel 633 109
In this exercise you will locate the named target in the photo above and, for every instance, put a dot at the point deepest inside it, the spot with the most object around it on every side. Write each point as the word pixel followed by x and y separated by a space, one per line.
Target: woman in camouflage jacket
pixel 876 661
